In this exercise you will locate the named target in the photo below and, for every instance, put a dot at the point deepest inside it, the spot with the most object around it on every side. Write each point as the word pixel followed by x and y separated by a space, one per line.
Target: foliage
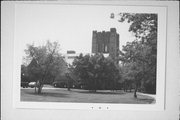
pixel 139 56
pixel 24 74
pixel 142 25
pixel 96 71
pixel 46 63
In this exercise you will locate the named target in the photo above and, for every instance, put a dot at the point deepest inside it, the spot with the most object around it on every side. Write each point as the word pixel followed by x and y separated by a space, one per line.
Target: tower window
pixel 105 48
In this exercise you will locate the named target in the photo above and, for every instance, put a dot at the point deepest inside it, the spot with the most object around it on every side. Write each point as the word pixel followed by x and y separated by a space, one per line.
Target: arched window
pixel 106 48
pixel 103 48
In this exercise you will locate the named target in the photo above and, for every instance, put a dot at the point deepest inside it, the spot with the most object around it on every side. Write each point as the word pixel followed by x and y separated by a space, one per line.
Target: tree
pixel 96 71
pixel 24 74
pixel 46 61
pixel 142 25
pixel 140 55
pixel 127 77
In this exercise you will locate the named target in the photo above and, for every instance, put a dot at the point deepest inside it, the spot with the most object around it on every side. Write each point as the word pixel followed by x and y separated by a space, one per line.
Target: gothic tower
pixel 106 42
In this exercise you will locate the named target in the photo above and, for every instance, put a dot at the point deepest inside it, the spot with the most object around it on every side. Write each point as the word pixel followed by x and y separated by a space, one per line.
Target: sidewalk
pixel 150 95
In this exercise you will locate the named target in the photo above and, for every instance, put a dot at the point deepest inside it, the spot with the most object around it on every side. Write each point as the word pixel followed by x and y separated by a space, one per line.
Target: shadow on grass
pixel 48 94
pixel 147 100
pixel 99 92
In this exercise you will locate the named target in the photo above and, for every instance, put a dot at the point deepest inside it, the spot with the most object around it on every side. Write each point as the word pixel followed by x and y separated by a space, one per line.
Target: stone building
pixel 106 42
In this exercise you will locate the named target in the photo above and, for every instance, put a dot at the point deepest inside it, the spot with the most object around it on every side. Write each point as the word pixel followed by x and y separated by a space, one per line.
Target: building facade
pixel 106 42
pixel 70 56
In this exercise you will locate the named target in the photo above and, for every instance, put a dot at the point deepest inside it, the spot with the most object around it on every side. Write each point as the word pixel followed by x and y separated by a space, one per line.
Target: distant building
pixel 70 56
pixel 106 42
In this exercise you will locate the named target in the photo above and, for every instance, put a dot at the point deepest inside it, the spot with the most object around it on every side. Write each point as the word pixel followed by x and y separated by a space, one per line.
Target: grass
pixel 84 96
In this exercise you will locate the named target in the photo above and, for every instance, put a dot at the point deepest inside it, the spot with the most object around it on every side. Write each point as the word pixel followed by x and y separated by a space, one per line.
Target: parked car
pixel 24 84
pixel 32 84
pixel 60 84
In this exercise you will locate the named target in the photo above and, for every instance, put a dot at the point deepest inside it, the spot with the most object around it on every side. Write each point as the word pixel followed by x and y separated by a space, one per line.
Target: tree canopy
pixel 46 63
pixel 96 71
pixel 139 56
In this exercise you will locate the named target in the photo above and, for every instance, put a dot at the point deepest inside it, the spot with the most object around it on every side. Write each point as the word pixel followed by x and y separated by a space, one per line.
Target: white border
pixel 161 71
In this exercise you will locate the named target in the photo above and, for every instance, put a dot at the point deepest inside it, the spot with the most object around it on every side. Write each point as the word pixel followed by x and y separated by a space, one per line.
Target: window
pixel 106 48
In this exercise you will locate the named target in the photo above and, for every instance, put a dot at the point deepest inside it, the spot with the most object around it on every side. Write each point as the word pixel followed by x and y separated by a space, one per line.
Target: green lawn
pixel 84 96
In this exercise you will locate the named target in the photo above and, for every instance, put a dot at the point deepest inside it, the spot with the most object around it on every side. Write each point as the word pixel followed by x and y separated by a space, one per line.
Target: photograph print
pixel 87 54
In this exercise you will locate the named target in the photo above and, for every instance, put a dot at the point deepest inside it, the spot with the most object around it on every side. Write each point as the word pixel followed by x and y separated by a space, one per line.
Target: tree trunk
pixel 35 89
pixel 53 79
pixel 39 86
pixel 135 95
pixel 130 88
pixel 68 83
pixel 68 86
pixel 95 85
pixel 125 87
pixel 40 89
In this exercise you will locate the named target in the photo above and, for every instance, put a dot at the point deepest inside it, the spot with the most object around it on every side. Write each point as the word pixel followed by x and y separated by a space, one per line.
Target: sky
pixel 70 25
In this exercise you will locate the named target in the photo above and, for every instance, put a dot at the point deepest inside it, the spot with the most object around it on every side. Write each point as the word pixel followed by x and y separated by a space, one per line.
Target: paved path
pixel 149 95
